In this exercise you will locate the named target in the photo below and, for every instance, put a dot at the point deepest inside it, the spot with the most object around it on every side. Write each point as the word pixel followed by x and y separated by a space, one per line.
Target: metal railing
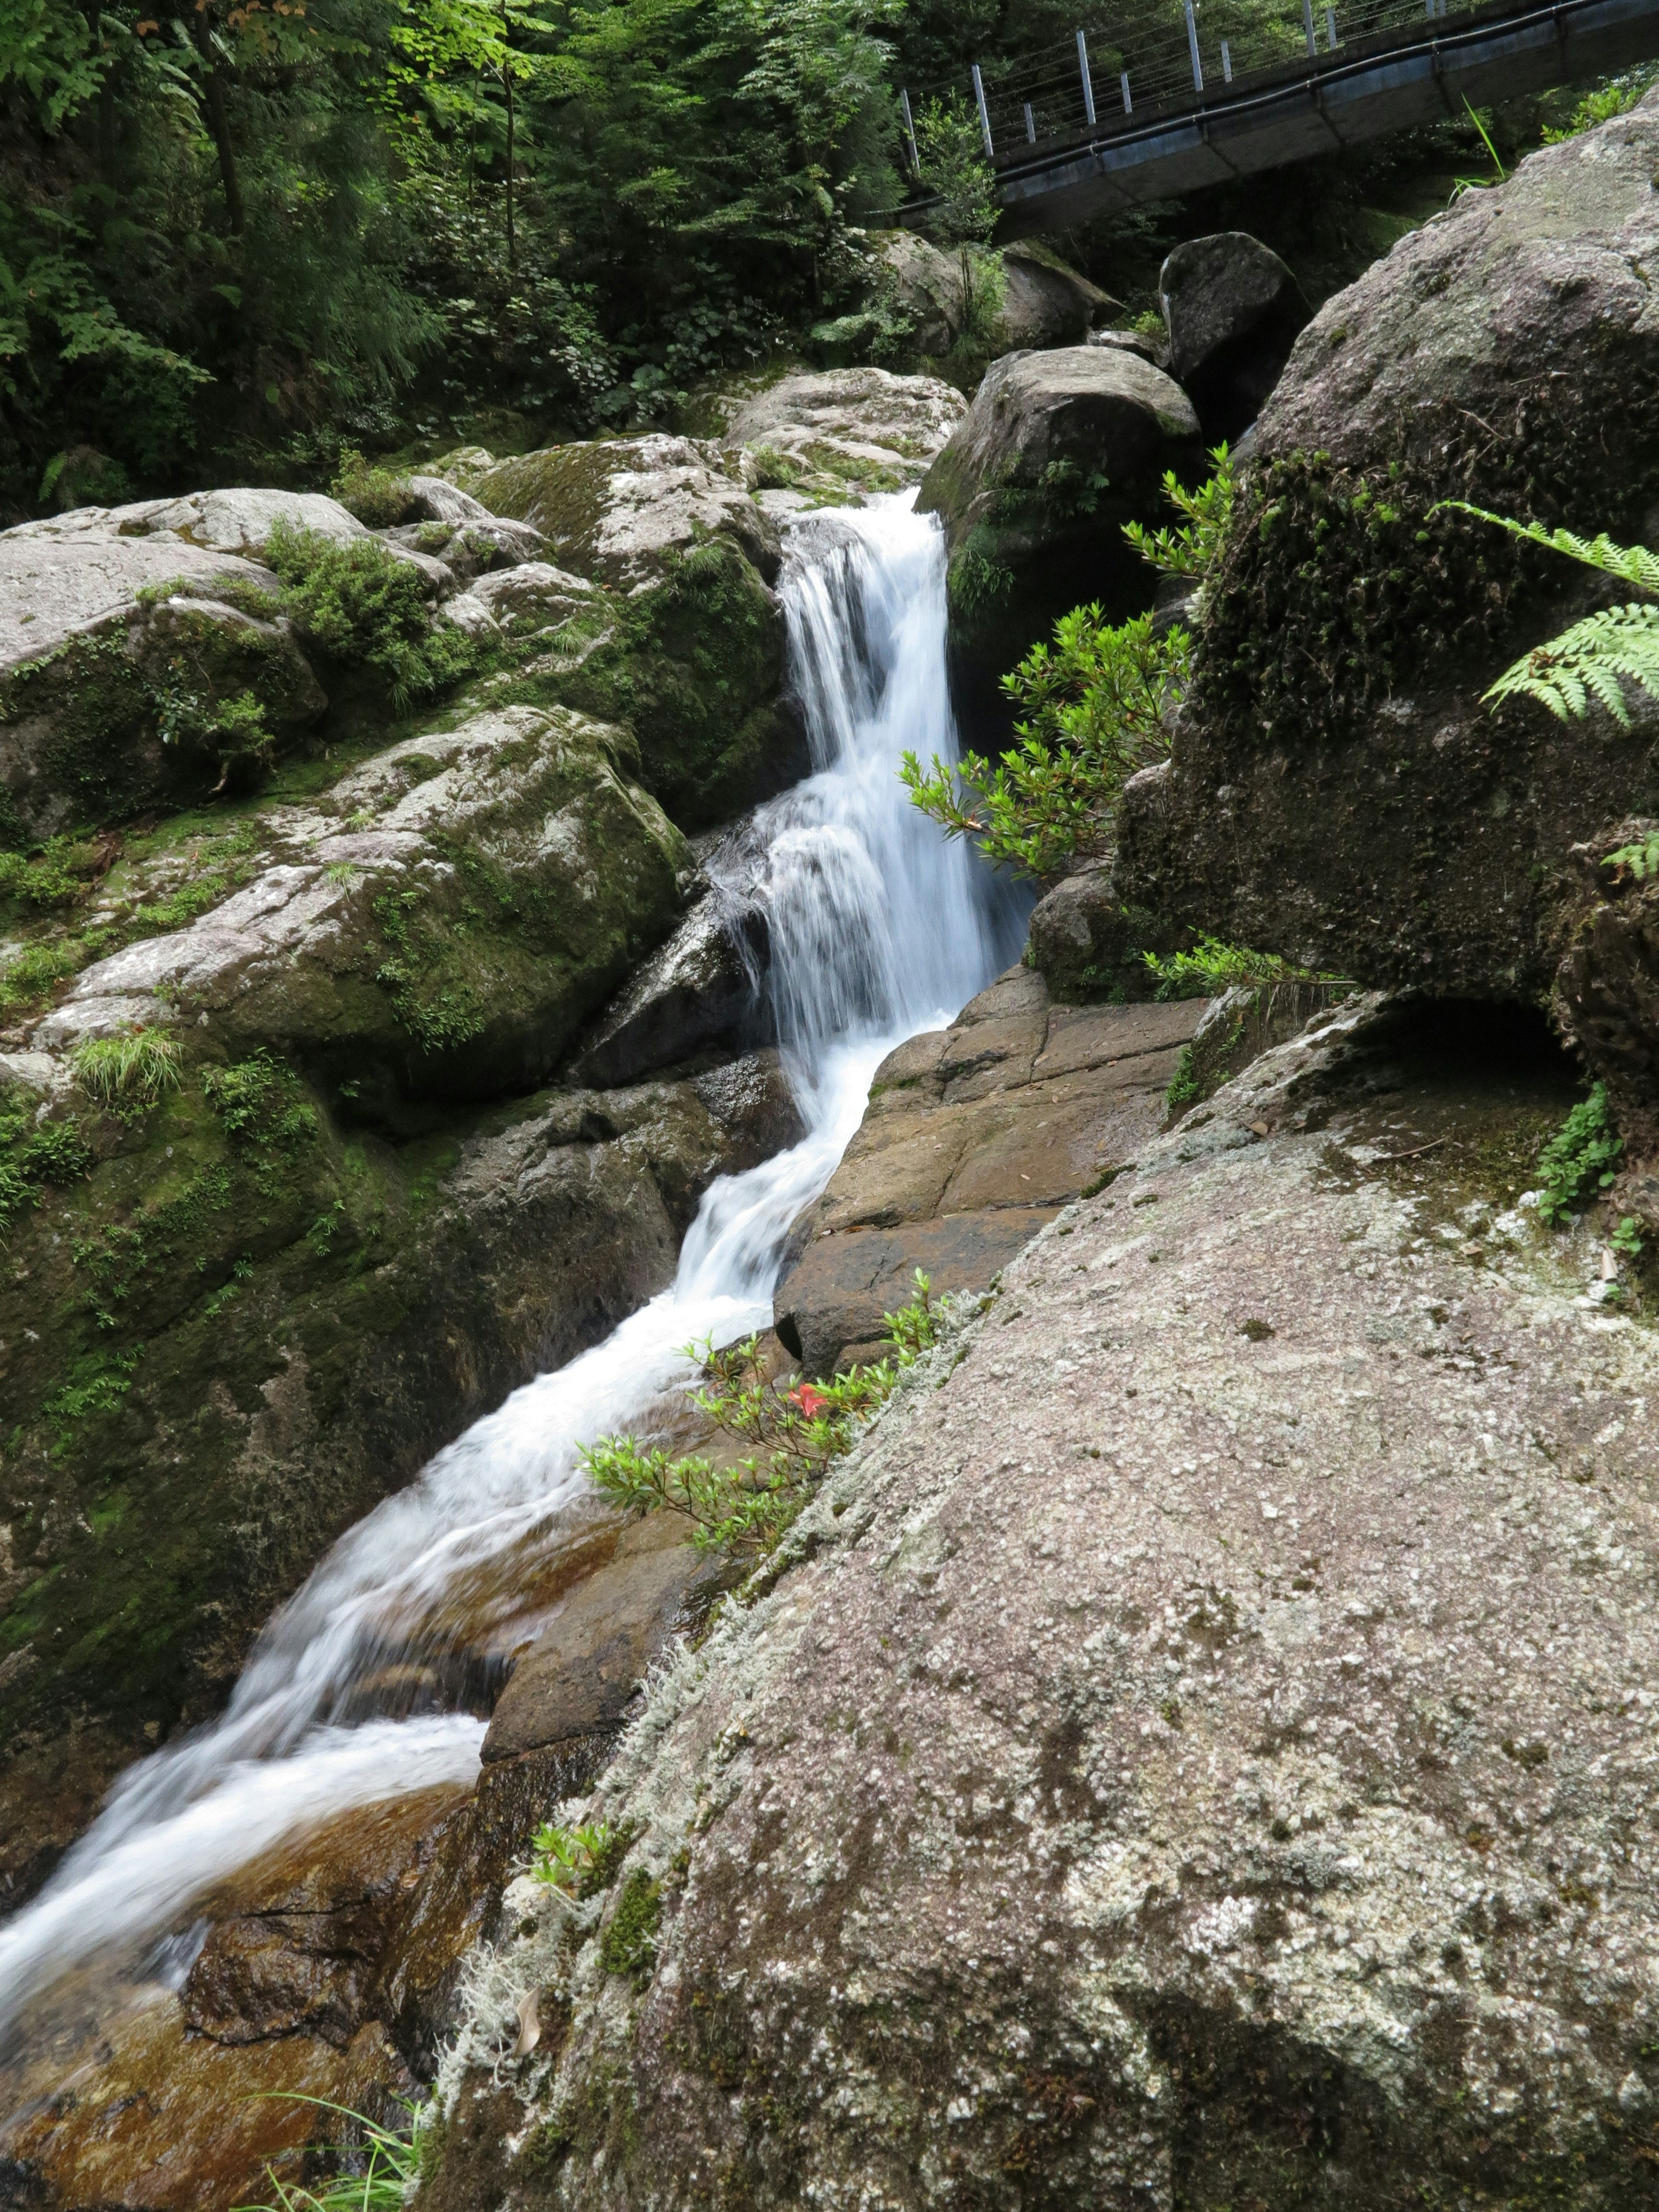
pixel 1152 58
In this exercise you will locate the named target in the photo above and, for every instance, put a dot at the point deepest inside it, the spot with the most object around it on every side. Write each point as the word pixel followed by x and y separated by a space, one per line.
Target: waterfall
pixel 879 928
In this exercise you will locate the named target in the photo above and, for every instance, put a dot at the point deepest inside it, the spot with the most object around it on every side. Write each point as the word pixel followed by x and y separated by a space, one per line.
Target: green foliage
pixel 964 210
pixel 58 873
pixel 1640 862
pixel 1627 1237
pixel 440 1019
pixel 1193 546
pixel 1211 968
pixel 788 1436
pixel 1091 714
pixel 1578 1161
pixel 362 606
pixel 29 977
pixel 628 1945
pixel 581 1861
pixel 1184 1087
pixel 129 1072
pixel 33 1155
pixel 1594 659
pixel 1616 97
pixel 377 498
pixel 393 2161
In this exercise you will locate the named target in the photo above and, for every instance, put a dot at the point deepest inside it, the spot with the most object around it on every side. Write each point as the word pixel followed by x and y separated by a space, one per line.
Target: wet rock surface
pixel 265 1382
pixel 1201 1754
pixel 974 1137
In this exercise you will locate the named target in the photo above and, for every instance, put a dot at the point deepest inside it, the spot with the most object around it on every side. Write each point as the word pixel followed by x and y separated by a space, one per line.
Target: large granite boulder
pixel 443 924
pixel 1044 301
pixel 1087 944
pixel 1197 1751
pixel 810 438
pixel 1339 791
pixel 1233 311
pixel 122 662
pixel 1057 451
pixel 695 662
pixel 974 1137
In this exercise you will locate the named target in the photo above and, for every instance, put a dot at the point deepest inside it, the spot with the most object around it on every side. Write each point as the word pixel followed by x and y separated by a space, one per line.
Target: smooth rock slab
pixel 973 1137
pixel 1204 1755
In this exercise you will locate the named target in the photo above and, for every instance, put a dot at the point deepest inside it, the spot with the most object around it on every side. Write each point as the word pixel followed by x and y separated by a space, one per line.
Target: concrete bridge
pixel 1160 103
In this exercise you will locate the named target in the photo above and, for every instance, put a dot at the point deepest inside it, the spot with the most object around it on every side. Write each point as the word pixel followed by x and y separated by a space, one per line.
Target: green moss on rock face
pixel 693 666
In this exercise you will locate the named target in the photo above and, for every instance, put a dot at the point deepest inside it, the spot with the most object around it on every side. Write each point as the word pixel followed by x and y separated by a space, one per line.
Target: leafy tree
pixel 965 208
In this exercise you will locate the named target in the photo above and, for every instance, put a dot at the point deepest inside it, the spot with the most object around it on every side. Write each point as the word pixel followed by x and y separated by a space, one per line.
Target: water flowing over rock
pixel 364 1686
pixel 1338 789
pixel 1197 1754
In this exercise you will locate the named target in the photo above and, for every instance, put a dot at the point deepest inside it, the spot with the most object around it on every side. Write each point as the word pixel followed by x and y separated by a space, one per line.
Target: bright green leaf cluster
pixel 1579 1160
pixel 786 1433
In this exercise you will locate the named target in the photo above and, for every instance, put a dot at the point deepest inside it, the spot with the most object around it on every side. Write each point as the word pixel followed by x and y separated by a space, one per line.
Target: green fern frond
pixel 1633 564
pixel 1593 659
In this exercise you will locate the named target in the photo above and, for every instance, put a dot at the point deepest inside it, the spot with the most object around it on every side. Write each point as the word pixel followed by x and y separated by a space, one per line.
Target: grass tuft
pixel 129 1072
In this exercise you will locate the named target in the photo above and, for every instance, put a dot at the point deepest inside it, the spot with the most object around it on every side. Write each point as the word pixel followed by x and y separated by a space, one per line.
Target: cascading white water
pixel 878 928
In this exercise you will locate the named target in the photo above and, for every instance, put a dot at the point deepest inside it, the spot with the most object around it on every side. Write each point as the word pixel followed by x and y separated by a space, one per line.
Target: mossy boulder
pixel 1233 310
pixel 441 925
pixel 1339 791
pixel 136 670
pixel 1088 945
pixel 825 437
pixel 1058 451
pixel 693 663
pixel 232 1318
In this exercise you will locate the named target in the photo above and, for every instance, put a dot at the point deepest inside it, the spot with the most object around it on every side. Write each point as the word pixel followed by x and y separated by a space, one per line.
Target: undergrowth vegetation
pixel 128 1072
pixel 1091 710
pixel 392 2161
pixel 787 1434
pixel 1579 1162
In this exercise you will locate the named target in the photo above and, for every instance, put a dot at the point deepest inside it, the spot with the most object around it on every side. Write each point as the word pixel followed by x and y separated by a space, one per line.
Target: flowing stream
pixel 879 928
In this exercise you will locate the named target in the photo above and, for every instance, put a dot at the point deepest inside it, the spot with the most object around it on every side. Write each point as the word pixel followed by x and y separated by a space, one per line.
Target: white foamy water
pixel 879 928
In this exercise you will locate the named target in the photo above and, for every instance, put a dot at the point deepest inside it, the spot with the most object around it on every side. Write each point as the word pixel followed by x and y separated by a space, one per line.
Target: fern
pixel 1594 659
pixel 1640 861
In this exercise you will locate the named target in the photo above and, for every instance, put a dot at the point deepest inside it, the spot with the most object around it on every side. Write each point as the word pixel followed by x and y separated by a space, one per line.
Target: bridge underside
pixel 1325 103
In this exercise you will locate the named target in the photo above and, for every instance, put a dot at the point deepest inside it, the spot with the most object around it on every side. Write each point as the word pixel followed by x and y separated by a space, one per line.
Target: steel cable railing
pixel 1151 58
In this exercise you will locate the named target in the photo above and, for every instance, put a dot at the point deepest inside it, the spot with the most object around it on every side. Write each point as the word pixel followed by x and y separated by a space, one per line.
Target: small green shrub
pixel 628 1945
pixel 34 1155
pixel 29 978
pixel 1092 713
pixel 394 2163
pixel 379 498
pixel 792 1435
pixel 60 873
pixel 128 1072
pixel 581 1861
pixel 1184 1088
pixel 363 606
pixel 1193 546
pixel 1211 968
pixel 1578 1162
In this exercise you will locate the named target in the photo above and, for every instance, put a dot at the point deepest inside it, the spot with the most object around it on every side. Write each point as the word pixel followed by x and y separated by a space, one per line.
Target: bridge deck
pixel 1181 140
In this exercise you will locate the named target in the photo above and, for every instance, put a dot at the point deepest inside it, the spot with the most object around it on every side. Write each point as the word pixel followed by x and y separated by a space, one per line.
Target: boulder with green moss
pixel 1058 451
pixel 695 660
pixel 832 435
pixel 135 670
pixel 1339 791
pixel 441 924
pixel 234 1314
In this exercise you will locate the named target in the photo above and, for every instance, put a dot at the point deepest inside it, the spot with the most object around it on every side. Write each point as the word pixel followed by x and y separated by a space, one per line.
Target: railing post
pixel 1307 25
pixel 985 113
pixel 1330 26
pixel 910 132
pixel 1128 105
pixel 1088 88
pixel 1227 62
pixel 1192 48
pixel 1031 126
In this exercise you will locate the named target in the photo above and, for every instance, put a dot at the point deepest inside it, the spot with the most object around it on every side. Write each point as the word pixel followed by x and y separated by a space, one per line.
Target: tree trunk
pixel 512 235
pixel 219 124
